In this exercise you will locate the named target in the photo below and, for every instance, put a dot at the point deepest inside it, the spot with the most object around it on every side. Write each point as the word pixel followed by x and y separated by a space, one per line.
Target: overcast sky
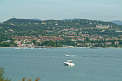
pixel 61 9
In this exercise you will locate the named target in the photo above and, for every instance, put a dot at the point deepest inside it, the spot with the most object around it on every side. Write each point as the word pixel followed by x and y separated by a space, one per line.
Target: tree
pixel 49 43
pixel 2 78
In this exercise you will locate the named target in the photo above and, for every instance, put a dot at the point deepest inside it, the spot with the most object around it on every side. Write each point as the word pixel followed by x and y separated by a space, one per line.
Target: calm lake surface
pixel 91 64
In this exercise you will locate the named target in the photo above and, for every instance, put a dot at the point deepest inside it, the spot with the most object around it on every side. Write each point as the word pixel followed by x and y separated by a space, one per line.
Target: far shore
pixel 60 47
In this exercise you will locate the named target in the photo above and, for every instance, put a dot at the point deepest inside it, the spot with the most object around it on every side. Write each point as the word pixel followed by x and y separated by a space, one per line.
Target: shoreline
pixel 59 47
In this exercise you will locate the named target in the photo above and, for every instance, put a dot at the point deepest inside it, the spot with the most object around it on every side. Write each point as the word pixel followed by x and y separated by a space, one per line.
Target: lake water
pixel 100 64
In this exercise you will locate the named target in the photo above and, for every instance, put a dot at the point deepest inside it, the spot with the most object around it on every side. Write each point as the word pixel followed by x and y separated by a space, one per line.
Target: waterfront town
pixel 55 33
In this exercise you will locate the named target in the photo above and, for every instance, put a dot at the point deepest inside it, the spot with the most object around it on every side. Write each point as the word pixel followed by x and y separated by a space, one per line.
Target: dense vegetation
pixel 27 27
pixel 2 78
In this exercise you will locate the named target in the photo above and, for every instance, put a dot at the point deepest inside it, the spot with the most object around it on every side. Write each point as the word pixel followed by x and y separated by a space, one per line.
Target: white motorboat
pixel 67 55
pixel 69 63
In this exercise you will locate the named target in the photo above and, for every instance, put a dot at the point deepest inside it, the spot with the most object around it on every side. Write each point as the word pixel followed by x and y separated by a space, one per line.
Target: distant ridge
pixel 22 20
pixel 118 22
pixel 82 21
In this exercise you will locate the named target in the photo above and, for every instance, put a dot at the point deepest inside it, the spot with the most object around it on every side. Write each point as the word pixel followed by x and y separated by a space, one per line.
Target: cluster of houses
pixel 27 41
pixel 85 40
pixel 73 34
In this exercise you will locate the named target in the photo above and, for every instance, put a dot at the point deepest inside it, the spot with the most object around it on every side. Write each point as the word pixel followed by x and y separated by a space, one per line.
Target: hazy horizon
pixel 105 10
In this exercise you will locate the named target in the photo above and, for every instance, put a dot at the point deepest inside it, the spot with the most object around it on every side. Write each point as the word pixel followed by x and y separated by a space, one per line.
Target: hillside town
pixel 78 33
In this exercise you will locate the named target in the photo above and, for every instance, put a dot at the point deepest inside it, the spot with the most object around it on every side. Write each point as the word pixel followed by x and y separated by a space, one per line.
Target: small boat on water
pixel 69 63
pixel 67 55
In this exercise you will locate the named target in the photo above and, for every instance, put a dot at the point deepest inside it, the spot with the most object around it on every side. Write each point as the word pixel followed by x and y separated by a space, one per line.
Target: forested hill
pixel 66 22
pixel 71 32
pixel 27 27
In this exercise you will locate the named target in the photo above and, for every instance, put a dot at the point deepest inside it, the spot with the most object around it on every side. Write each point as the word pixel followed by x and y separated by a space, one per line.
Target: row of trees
pixel 88 43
